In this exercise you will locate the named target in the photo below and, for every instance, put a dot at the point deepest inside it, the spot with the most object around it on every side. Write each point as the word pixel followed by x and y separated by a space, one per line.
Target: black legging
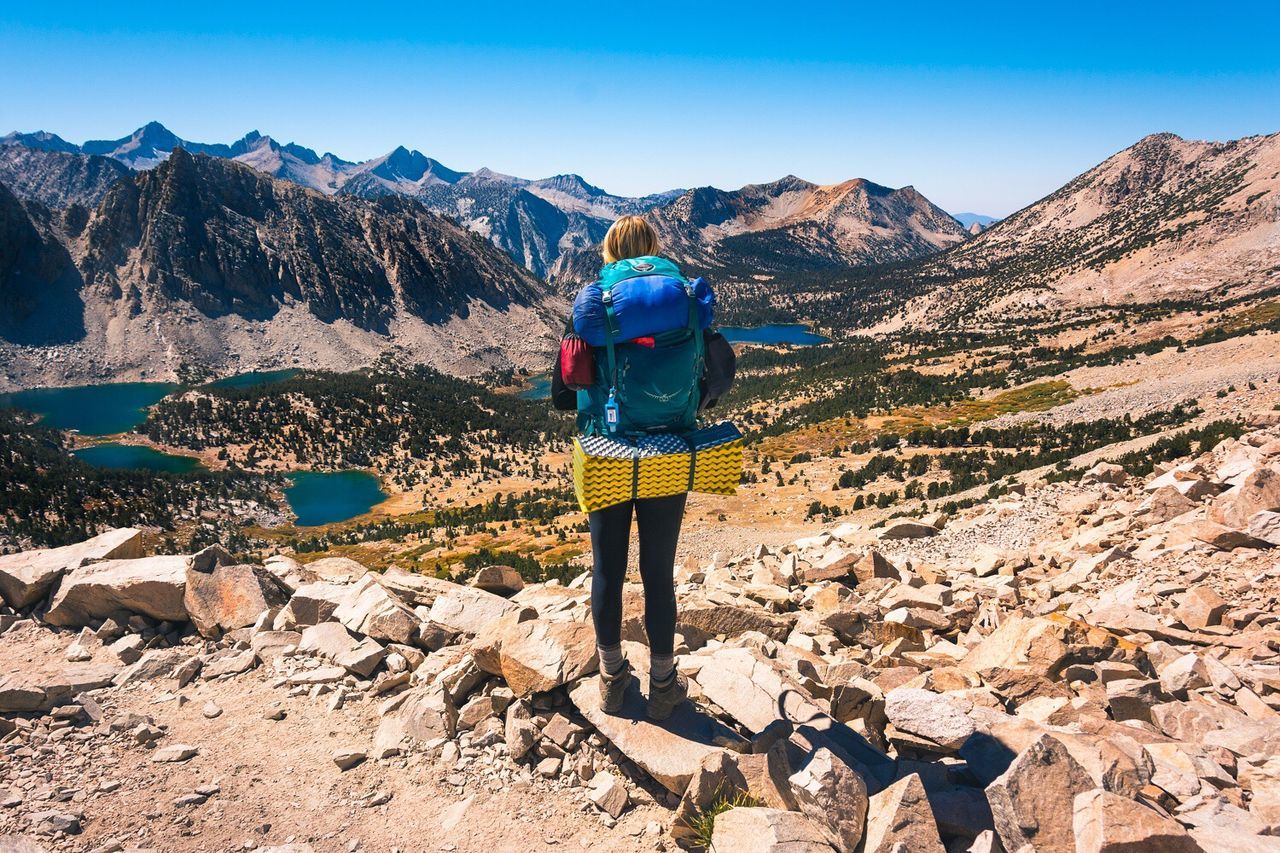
pixel 659 522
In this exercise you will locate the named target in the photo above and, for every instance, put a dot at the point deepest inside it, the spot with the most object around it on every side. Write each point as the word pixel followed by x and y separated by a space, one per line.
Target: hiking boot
pixel 613 688
pixel 663 698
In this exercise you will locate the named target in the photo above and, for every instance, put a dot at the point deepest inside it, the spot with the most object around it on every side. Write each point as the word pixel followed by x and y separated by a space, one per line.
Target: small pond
pixel 256 377
pixel 136 458
pixel 795 334
pixel 327 497
pixel 539 388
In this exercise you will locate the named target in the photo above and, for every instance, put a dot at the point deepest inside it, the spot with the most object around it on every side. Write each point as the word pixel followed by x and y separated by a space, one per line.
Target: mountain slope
pixel 789 225
pixel 38 281
pixel 56 178
pixel 402 171
pixel 1166 218
pixel 204 263
pixel 572 194
pixel 505 210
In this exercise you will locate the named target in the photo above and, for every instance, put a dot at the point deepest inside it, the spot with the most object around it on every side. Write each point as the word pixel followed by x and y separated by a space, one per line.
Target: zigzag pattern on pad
pixel 604 473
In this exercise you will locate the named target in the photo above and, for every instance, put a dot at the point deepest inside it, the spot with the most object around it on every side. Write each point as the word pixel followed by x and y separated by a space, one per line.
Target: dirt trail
pixel 278 783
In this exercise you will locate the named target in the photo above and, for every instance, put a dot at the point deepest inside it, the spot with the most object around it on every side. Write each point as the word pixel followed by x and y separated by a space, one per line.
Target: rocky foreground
pixel 1081 667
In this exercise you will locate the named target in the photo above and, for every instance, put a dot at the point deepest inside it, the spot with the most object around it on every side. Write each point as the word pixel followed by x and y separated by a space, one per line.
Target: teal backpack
pixel 648 384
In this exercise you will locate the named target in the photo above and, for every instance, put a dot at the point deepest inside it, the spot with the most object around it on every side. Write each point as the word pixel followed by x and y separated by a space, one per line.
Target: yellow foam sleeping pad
pixel 608 470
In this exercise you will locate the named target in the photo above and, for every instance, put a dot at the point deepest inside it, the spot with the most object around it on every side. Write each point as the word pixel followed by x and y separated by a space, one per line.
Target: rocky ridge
pixel 789 225
pixel 1110 683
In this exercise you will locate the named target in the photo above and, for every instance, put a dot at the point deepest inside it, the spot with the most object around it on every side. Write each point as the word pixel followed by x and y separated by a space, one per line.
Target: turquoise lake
pixel 319 497
pixel 256 377
pixel 91 409
pixel 539 389
pixel 136 458
pixel 773 333
pixel 115 407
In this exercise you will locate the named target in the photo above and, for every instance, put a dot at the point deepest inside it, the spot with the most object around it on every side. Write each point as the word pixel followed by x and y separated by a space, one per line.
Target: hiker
pixel 634 385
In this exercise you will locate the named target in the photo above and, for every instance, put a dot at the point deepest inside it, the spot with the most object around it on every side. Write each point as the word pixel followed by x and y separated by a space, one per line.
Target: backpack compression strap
pixel 611 363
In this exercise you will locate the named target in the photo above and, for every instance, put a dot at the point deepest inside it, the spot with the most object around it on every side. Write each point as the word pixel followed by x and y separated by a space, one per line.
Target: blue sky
pixel 981 106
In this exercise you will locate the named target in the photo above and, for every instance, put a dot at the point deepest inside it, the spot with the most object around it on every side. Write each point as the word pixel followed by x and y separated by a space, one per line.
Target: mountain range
pixel 532 220
pixel 122 259
pixel 552 226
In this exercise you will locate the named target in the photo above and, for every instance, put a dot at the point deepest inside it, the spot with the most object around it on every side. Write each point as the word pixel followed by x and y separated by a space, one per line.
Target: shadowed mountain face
pixel 229 240
pixel 41 141
pixel 56 178
pixel 39 284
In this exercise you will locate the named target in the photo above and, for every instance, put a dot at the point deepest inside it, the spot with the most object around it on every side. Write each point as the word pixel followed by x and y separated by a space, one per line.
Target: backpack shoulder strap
pixel 611 362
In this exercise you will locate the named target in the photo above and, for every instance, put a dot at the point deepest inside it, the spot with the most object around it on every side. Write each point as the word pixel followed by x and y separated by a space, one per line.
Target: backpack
pixel 645 383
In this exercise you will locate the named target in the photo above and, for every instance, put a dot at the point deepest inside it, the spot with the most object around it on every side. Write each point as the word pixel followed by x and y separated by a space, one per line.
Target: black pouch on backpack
pixel 720 364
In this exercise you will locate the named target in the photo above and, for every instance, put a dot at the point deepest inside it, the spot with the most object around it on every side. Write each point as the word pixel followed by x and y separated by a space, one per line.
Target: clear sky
pixel 982 106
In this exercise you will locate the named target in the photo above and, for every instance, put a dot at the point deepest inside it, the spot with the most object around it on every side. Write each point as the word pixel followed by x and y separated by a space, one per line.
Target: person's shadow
pixel 688 721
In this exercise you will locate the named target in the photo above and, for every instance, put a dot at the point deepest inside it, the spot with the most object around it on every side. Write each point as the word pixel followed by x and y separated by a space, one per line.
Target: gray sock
pixel 661 667
pixel 611 659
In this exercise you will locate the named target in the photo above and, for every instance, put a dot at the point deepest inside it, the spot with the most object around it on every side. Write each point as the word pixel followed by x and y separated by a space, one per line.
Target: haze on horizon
pixel 982 109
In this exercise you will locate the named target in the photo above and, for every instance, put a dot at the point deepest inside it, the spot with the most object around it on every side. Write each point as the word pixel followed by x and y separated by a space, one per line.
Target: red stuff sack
pixel 577 363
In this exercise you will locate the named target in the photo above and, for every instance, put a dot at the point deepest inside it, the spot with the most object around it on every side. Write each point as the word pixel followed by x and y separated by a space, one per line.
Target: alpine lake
pixel 794 334
pixel 112 408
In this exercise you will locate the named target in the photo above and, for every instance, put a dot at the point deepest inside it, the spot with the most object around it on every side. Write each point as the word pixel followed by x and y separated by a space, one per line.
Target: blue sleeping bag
pixel 648 298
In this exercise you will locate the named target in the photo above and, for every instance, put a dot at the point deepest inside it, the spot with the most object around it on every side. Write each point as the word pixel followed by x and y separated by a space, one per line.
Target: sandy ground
pixel 278 781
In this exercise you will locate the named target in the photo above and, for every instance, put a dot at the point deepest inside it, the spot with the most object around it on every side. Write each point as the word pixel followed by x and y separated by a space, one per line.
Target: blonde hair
pixel 629 237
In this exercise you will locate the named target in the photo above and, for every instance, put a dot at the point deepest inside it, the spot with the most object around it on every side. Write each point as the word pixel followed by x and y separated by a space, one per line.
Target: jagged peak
pixel 484 173
pixel 570 182
pixel 154 131
pixel 787 183
pixel 400 164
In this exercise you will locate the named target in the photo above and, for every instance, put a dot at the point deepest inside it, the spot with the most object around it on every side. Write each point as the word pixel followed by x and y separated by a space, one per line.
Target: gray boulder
pixel 27 577
pixel 370 609
pixel 761 830
pixel 151 586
